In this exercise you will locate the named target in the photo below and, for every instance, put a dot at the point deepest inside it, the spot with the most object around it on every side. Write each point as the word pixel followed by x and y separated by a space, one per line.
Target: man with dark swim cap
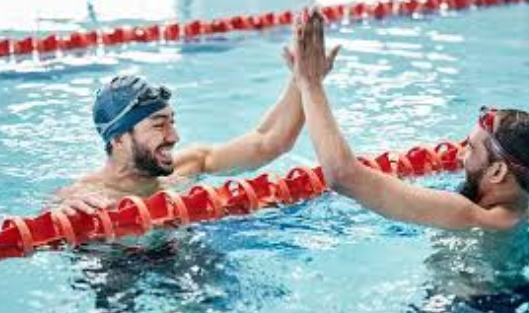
pixel 482 251
pixel 136 122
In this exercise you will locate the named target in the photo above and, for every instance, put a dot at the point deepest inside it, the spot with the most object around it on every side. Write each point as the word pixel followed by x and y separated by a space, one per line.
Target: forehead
pixel 166 112
pixel 477 136
pixel 163 114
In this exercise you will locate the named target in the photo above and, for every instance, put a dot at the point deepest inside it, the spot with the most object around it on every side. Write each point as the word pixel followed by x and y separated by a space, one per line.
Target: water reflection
pixel 183 272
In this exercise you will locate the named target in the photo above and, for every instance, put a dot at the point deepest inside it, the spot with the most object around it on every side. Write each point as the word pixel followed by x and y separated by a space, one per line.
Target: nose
pixel 463 156
pixel 172 135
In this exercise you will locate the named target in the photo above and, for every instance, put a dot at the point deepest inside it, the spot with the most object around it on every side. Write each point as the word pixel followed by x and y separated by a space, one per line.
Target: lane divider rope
pixel 135 216
pixel 173 31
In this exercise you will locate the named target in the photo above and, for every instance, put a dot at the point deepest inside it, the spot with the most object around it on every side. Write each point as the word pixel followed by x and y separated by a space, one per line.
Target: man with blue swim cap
pixel 122 104
pixel 136 122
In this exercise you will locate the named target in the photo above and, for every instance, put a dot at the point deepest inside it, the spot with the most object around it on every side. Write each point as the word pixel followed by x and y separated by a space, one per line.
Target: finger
pixel 311 11
pixel 83 207
pixel 287 53
pixel 313 24
pixel 289 58
pixel 318 23
pixel 297 22
pixel 296 27
pixel 315 37
pixel 305 15
pixel 324 18
pixel 300 34
pixel 331 57
pixel 113 205
pixel 309 15
pixel 333 53
pixel 318 13
pixel 306 27
pixel 68 211
pixel 97 202
pixel 296 32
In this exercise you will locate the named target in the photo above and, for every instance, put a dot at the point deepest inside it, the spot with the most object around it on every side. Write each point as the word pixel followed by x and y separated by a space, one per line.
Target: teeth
pixel 165 152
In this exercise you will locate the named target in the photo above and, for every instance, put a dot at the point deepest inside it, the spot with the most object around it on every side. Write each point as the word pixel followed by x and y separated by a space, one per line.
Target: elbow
pixel 283 147
pixel 337 174
pixel 334 179
pixel 273 149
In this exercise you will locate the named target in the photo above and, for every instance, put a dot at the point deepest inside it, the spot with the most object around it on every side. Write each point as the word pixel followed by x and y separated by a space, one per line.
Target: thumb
pixel 288 56
pixel 333 53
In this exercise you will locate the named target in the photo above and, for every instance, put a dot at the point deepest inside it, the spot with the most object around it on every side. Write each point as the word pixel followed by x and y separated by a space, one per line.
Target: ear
pixel 497 172
pixel 118 142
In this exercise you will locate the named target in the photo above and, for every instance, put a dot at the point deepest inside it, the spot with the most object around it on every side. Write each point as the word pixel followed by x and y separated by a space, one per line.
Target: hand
pixel 307 59
pixel 86 203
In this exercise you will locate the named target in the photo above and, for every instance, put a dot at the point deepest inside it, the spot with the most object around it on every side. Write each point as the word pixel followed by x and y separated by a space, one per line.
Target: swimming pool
pixel 397 83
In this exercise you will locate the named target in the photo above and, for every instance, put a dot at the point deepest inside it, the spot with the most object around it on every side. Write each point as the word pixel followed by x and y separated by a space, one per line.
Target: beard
pixel 146 162
pixel 470 187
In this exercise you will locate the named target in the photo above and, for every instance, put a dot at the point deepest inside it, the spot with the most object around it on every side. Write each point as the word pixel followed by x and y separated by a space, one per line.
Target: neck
pixel 512 198
pixel 127 179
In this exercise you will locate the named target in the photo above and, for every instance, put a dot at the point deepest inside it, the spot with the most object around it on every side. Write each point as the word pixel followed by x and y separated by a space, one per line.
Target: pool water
pixel 396 84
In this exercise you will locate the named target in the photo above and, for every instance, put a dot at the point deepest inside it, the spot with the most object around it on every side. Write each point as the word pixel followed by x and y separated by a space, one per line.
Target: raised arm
pixel 382 193
pixel 274 135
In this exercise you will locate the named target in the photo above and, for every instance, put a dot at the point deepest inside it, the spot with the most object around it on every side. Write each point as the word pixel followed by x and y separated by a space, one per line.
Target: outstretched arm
pixel 274 135
pixel 382 193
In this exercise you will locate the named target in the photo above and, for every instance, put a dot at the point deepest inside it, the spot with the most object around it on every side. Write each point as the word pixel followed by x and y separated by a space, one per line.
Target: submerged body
pixel 478 262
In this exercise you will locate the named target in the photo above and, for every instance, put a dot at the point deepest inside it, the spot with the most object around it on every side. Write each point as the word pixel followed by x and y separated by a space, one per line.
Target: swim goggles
pixel 487 117
pixel 147 97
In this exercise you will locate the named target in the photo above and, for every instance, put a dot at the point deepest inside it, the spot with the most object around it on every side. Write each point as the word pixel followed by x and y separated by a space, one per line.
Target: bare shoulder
pixel 82 185
pixel 499 218
pixel 178 182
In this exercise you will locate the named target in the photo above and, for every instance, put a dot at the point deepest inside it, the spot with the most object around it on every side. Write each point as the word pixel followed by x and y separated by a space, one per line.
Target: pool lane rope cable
pixel 173 31
pixel 136 216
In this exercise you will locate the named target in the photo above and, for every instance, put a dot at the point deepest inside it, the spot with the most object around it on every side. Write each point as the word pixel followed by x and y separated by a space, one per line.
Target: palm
pixel 307 58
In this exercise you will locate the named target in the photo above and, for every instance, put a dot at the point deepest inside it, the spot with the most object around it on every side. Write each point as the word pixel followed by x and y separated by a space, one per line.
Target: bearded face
pixel 154 162
pixel 470 188
pixel 476 160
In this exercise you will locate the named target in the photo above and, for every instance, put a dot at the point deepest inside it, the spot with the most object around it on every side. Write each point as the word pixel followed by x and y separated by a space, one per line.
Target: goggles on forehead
pixel 487 118
pixel 152 95
pixel 149 96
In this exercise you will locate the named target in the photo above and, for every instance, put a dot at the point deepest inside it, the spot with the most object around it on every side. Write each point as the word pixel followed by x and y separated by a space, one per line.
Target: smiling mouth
pixel 165 154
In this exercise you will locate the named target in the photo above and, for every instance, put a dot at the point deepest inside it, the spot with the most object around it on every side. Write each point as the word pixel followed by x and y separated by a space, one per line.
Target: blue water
pixel 396 84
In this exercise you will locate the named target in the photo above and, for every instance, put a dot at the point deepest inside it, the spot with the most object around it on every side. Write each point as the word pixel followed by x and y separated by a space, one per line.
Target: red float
pixel 135 216
pixel 172 32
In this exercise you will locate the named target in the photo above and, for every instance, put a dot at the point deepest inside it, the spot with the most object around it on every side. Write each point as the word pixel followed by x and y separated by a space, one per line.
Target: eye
pixel 158 126
pixel 470 146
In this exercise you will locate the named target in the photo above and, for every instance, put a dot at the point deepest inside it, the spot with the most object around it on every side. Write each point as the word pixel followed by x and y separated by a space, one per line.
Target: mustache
pixel 165 145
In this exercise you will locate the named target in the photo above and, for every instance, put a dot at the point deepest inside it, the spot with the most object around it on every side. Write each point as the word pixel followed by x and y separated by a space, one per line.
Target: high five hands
pixel 306 58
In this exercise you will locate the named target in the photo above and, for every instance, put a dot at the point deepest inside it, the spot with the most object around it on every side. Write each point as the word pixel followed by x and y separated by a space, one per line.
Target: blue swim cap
pixel 124 102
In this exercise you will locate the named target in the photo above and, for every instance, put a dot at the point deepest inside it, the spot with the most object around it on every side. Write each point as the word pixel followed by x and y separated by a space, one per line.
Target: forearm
pixel 283 122
pixel 272 137
pixel 381 193
pixel 398 200
pixel 333 151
